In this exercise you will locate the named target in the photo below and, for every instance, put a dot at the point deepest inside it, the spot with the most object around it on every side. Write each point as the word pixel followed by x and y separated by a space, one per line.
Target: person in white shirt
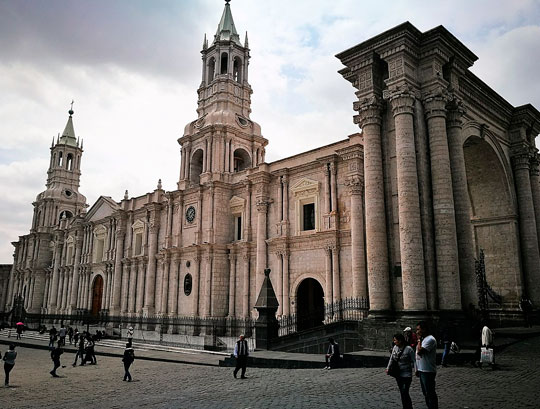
pixel 426 367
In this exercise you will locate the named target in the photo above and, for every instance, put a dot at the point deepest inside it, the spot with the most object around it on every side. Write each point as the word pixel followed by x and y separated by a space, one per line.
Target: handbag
pixel 486 355
pixel 393 369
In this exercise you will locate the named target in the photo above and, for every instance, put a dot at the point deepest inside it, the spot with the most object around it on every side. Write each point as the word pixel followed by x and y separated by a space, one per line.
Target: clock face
pixel 190 214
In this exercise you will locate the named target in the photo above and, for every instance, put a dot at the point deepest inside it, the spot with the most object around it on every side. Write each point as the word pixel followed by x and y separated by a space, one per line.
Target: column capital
pixel 401 99
pixel 435 101
pixel 521 156
pixel 355 184
pixel 455 110
pixel 534 163
pixel 262 205
pixel 369 111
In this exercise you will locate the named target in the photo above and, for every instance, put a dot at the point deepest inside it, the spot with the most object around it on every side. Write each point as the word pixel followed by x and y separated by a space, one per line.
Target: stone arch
pixel 237 69
pixel 224 65
pixel 309 296
pixel 493 212
pixel 97 294
pixel 69 162
pixel 196 166
pixel 242 160
pixel 211 69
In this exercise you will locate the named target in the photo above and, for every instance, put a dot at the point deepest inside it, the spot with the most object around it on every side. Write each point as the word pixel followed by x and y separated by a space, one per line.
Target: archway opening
pixel 241 160
pixel 309 304
pixel 196 166
pixel 493 218
pixel 97 295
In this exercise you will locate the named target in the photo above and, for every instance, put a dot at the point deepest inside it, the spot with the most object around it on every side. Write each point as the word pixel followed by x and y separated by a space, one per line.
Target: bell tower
pixel 61 199
pixel 223 139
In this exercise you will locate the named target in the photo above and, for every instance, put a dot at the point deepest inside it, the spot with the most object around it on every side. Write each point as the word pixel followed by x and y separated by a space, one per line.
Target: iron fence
pixel 347 309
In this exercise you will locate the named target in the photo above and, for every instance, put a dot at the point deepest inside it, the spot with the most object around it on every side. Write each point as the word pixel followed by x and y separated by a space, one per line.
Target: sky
pixel 133 67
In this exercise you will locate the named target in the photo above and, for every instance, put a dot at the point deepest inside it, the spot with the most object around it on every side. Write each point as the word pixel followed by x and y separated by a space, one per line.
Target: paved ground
pixel 173 385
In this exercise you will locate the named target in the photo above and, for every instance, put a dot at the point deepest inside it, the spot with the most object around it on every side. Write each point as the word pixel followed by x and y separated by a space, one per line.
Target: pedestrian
pixel 52 336
pixel 526 306
pixel 426 367
pixel 410 337
pixel 62 335
pixel 70 335
pixel 80 352
pixel 9 362
pixel 241 353
pixel 90 351
pixel 488 344
pixel 130 334
pixel 76 336
pixel 332 356
pixel 447 336
pixel 55 356
pixel 129 357
pixel 20 328
pixel 404 356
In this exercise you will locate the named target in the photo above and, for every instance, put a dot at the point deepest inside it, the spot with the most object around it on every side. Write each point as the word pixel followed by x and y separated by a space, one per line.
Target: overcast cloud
pixel 133 68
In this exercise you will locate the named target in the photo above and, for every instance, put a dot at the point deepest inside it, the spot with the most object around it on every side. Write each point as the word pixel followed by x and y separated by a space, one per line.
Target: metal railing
pixel 347 309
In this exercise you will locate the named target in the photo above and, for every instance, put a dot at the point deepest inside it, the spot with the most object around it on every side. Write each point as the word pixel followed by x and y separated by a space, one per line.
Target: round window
pixel 187 284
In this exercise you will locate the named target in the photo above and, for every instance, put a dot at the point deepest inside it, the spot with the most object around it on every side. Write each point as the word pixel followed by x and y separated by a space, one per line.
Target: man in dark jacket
pixel 241 353
pixel 129 357
pixel 332 355
pixel 55 356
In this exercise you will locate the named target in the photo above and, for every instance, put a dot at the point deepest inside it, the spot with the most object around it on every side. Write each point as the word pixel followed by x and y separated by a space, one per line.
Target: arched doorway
pixel 97 295
pixel 494 219
pixel 196 166
pixel 309 304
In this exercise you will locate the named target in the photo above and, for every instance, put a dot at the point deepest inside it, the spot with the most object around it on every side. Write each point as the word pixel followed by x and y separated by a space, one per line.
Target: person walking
pixel 52 336
pixel 70 335
pixel 55 356
pixel 404 356
pixel 62 335
pixel 80 352
pixel 76 336
pixel 332 354
pixel 90 352
pixel 488 343
pixel 129 357
pixel 241 353
pixel 20 328
pixel 426 367
pixel 447 336
pixel 410 337
pixel 526 306
pixel 130 334
pixel 9 362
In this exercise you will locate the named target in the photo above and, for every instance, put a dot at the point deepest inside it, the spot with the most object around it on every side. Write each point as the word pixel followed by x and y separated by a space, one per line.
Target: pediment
pixel 138 225
pixel 100 230
pixel 102 208
pixel 236 202
pixel 305 184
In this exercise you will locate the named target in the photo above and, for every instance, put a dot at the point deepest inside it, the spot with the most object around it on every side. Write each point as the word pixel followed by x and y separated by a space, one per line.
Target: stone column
pixel 232 284
pixel 369 119
pixel 132 286
pixel 286 299
pixel 329 294
pixel 165 284
pixel 117 285
pixel 527 223
pixel 535 188
pixel 279 280
pixel 333 187
pixel 208 286
pixel 173 287
pixel 327 189
pixel 262 209
pixel 285 182
pixel 140 287
pixel 196 286
pixel 149 302
pixel 444 219
pixel 125 287
pixel 410 227
pixel 280 200
pixel 75 282
pixel 336 285
pixel 55 276
pixel 462 206
pixel 358 264
pixel 245 304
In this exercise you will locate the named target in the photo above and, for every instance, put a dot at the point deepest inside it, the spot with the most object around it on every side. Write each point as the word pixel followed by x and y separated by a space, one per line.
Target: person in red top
pixel 410 337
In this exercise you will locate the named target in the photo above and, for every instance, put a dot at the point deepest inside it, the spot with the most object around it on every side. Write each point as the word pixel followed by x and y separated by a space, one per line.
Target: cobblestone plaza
pixel 171 385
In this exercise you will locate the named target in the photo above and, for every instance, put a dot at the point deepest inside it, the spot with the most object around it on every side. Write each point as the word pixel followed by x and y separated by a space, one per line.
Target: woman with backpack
pixel 400 366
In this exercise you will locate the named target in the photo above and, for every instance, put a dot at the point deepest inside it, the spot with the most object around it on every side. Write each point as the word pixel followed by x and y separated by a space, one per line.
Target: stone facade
pixel 443 167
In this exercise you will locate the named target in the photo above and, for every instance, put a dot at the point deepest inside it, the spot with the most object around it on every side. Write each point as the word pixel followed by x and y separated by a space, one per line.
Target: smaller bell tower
pixel 61 199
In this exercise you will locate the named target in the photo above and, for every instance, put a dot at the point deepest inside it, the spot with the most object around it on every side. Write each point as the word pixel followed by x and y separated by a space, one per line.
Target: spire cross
pixel 227 1
pixel 71 109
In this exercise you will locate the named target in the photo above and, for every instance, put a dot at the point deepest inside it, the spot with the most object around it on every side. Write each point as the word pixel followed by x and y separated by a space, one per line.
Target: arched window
pixel 69 162
pixel 211 69
pixel 78 163
pixel 224 63
pixel 65 213
pixel 237 69
pixel 196 166
pixel 241 160
pixel 60 159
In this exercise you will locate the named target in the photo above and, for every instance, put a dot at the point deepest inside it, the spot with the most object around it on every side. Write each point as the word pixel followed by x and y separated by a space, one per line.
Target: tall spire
pixel 226 30
pixel 68 136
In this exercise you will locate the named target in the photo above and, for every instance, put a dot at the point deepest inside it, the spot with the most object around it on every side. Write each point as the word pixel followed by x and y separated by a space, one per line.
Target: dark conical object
pixel 266 327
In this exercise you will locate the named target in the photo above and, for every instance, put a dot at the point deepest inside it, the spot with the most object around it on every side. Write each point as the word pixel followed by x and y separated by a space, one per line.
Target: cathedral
pixel 442 169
